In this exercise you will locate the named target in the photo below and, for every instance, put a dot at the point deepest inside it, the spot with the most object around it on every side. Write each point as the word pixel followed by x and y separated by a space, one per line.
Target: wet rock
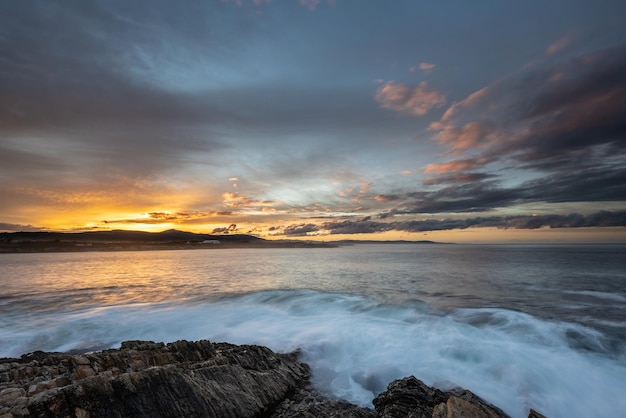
pixel 307 403
pixel 203 379
pixel 535 414
pixel 145 379
pixel 459 408
pixel 412 398
pixel 10 395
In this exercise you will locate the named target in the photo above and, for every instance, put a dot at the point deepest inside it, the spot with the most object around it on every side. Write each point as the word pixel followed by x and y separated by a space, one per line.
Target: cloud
pixel 20 163
pixel 310 4
pixel 78 89
pixel 463 164
pixel 481 192
pixel 298 230
pixel 475 99
pixel 236 200
pixel 403 98
pixel 456 178
pixel 560 45
pixel 368 226
pixel 8 227
pixel 474 134
pixel 460 198
pixel 423 66
pixel 386 198
pixel 533 121
pixel 156 218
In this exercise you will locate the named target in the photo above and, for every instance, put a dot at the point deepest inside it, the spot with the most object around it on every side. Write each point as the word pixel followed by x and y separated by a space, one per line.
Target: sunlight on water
pixel 519 327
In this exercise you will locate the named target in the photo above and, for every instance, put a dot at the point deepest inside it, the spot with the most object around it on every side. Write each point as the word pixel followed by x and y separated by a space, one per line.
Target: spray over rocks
pixel 204 379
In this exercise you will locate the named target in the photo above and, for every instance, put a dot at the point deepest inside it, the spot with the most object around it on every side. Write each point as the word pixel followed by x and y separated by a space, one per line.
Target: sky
pixel 481 121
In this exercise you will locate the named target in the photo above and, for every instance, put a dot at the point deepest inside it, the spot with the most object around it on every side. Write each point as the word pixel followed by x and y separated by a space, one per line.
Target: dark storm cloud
pixel 606 184
pixel 69 74
pixel 575 112
pixel 137 87
pixel 468 197
pixel 563 122
pixel 594 185
pixel 548 118
pixel 574 220
pixel 71 64
pixel 298 230
pixel 116 104
pixel 8 227
pixel 458 178
pixel 17 162
pixel 366 226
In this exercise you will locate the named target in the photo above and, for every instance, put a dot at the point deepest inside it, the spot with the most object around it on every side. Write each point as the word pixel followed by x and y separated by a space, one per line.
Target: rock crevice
pixel 201 379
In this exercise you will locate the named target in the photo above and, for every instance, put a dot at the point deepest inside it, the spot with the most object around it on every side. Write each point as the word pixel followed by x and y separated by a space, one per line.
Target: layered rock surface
pixel 201 379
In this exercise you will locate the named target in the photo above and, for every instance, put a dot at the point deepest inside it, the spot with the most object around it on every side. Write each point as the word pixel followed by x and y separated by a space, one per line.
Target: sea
pixel 522 326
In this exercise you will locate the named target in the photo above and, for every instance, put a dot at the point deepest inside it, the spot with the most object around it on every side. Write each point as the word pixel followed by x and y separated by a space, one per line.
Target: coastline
pixel 118 240
pixel 202 378
pixel 72 246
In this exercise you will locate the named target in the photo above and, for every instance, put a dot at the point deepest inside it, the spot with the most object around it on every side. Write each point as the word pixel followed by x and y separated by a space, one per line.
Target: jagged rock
pixel 202 379
pixel 145 379
pixel 412 398
pixel 535 414
pixel 307 403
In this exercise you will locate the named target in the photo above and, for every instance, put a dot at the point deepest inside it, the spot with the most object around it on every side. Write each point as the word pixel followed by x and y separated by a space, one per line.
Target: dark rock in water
pixel 145 379
pixel 181 379
pixel 307 403
pixel 535 414
pixel 202 379
pixel 412 398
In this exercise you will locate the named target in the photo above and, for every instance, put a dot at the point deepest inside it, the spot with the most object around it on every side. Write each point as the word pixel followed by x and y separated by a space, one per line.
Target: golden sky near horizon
pixel 316 119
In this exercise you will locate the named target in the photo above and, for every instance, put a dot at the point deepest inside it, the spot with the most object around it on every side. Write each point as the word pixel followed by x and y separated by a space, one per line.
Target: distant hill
pixel 171 235
pixel 172 239
pixel 356 241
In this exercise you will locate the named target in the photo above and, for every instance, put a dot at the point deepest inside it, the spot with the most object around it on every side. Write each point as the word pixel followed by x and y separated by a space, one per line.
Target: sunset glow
pixel 316 120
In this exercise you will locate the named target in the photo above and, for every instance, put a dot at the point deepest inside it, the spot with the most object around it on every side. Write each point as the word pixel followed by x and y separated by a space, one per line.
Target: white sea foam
pixel 600 295
pixel 356 346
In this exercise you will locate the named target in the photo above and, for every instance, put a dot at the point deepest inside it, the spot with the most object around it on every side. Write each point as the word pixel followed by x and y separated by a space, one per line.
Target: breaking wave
pixel 356 346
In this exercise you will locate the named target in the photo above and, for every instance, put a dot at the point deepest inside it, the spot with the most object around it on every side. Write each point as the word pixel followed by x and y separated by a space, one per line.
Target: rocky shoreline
pixel 202 379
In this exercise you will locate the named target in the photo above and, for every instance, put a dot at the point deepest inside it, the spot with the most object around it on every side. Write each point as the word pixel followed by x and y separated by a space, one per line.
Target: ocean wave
pixel 355 345
pixel 599 295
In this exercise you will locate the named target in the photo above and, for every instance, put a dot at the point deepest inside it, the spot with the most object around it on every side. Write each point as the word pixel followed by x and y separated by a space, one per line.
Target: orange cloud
pixel 406 99
pixel 455 166
pixel 471 100
pixel 385 198
pixel 234 200
pixel 471 135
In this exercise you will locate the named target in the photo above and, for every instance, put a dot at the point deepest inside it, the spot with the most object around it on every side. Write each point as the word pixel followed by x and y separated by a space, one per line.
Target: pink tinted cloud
pixel 235 200
pixel 407 99
pixel 559 45
pixel 454 166
pixel 460 138
pixel 472 100
pixel 423 66
pixel 309 4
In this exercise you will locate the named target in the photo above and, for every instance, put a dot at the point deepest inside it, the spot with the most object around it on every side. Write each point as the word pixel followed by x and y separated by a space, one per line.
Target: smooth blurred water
pixel 521 326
